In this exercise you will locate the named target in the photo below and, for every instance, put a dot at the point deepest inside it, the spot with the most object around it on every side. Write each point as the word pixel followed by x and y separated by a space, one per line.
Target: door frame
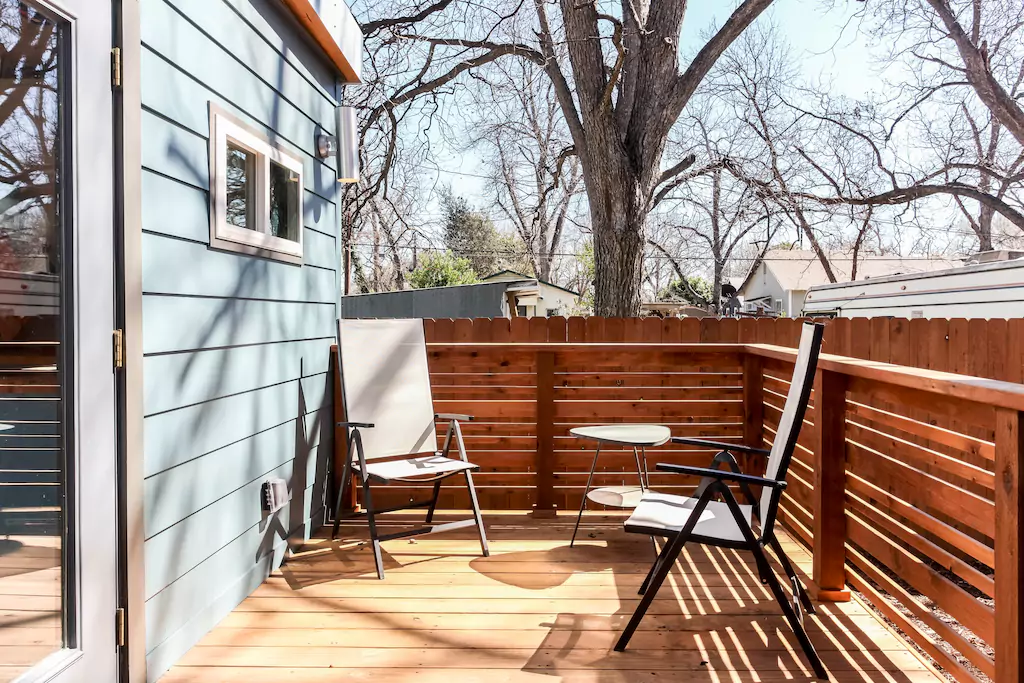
pixel 82 602
pixel 128 313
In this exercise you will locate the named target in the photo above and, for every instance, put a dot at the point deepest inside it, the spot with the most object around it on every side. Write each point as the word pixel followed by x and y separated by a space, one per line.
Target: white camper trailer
pixel 982 290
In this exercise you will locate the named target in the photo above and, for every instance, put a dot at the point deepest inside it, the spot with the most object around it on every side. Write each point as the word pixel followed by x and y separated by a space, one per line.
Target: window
pixel 255 192
pixel 521 311
pixel 553 312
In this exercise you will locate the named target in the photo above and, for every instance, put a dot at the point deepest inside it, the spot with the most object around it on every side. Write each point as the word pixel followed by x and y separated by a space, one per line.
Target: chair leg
pixel 367 498
pixel 654 568
pixel 769 578
pixel 787 566
pixel 433 502
pixel 484 549
pixel 346 481
pixel 793 619
pixel 671 552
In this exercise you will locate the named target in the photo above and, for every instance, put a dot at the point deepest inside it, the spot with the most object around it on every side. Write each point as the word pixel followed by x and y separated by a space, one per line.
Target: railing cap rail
pixel 702 347
pixel 975 389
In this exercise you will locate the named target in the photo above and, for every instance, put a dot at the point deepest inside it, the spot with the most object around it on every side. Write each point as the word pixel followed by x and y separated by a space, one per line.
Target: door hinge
pixel 118 349
pixel 121 626
pixel 115 67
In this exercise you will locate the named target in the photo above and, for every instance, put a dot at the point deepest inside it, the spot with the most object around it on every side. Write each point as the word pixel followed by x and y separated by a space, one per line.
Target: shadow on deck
pixel 536 610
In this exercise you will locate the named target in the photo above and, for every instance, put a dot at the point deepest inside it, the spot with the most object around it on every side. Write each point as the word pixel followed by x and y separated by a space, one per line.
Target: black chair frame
pixel 355 446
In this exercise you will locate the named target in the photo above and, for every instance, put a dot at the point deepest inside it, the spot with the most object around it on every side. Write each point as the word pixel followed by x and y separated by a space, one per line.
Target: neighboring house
pixel 197 163
pixel 538 297
pixel 502 295
pixel 780 282
pixel 993 288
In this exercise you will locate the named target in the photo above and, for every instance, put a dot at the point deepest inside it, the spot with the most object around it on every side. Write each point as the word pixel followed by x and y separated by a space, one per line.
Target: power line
pixel 505 252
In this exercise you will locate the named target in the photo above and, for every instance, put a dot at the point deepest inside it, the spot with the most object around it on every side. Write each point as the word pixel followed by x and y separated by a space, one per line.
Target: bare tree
pixel 405 83
pixel 537 176
pixel 717 209
pixel 960 65
pixel 615 72
pixel 29 128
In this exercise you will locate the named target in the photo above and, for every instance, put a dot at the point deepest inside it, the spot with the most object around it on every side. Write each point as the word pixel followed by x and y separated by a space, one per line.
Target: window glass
pixel 241 187
pixel 34 225
pixel 284 202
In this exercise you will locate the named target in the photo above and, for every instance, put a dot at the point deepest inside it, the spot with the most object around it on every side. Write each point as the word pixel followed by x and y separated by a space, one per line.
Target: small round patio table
pixel 636 436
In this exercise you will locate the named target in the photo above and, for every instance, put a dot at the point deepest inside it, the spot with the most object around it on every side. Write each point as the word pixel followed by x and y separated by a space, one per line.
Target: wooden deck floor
pixel 536 610
pixel 30 585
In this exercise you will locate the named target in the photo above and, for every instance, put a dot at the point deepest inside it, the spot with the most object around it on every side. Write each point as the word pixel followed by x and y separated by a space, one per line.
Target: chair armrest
pixel 721 445
pixel 453 416
pixel 721 474
pixel 356 425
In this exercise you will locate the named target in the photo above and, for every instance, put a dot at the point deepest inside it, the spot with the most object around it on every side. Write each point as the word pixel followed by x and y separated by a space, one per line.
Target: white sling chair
pixel 712 516
pixel 389 413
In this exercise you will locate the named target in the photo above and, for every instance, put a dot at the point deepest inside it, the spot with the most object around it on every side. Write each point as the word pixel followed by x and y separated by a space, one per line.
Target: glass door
pixel 58 475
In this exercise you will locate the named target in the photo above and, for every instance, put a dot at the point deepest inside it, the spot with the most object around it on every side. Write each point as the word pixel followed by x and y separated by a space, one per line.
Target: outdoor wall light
pixel 347 146
pixel 326 146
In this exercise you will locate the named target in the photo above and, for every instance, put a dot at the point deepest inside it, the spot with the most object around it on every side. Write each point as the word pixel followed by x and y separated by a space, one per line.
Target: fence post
pixel 545 376
pixel 829 572
pixel 753 411
pixel 1009 543
pixel 753 401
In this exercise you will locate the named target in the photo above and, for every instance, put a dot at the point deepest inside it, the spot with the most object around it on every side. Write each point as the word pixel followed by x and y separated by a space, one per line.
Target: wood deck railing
pixel 905 484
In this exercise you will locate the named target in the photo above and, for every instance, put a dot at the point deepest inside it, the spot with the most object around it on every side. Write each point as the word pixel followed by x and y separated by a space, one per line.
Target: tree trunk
pixel 985 228
pixel 716 285
pixel 618 217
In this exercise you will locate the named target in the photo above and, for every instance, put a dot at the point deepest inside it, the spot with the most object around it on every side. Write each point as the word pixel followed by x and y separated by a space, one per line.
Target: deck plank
pixel 30 602
pixel 535 610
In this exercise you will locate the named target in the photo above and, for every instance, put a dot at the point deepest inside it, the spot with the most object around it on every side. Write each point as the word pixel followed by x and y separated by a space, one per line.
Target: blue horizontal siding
pixel 179 153
pixel 218 322
pixel 192 486
pixel 236 348
pixel 182 435
pixel 214 29
pixel 223 274
pixel 174 94
pixel 182 379
pixel 176 209
pixel 202 597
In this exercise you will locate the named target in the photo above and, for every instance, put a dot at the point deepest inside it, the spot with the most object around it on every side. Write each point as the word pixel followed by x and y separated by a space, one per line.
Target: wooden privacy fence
pixel 905 483
pixel 983 348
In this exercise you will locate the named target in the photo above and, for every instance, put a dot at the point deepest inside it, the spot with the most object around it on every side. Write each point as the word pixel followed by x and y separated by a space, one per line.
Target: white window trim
pixel 223 235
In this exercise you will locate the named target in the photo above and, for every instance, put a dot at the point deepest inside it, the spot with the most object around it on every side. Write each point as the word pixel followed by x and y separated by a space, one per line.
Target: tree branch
pixel 988 89
pixel 686 83
pixel 371 27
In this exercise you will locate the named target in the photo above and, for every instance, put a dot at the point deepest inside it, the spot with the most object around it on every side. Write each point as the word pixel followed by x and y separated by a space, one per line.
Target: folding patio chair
pixel 712 516
pixel 390 418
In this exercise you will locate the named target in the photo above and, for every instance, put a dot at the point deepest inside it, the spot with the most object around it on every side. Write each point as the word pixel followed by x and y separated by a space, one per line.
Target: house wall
pixel 763 284
pixel 555 298
pixel 236 348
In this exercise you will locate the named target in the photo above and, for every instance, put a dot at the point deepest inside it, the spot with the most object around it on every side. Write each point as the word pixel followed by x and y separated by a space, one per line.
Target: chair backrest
pixel 384 381
pixel 791 421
